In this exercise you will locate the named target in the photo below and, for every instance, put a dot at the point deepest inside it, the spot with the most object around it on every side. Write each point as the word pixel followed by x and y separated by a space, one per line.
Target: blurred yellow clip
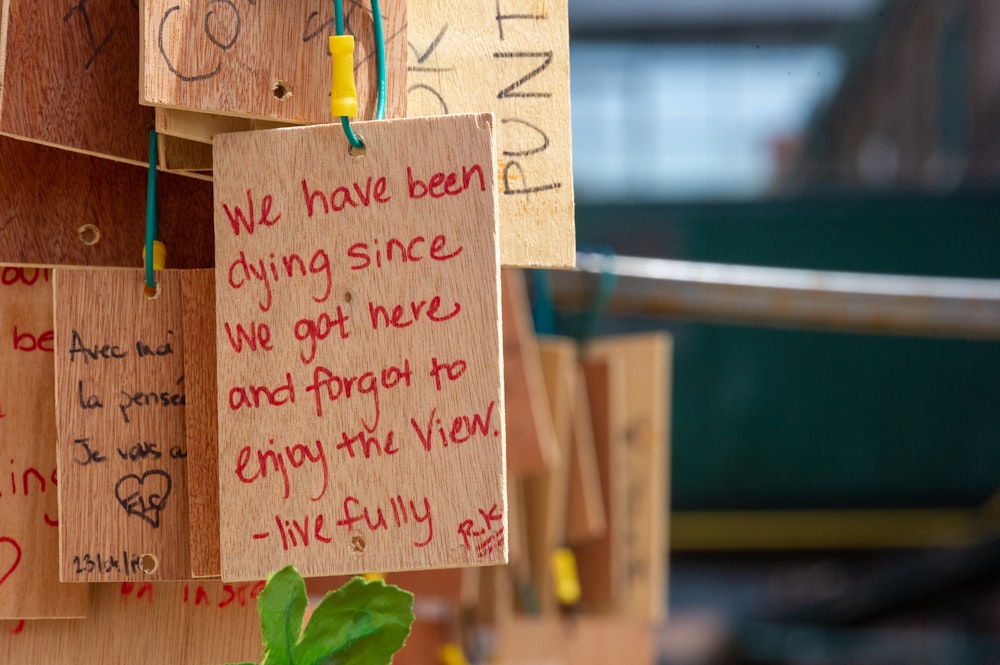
pixel 567 579
pixel 343 92
pixel 374 577
pixel 452 654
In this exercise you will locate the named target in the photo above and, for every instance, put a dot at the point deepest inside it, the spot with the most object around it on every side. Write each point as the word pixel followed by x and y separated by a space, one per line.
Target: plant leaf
pixel 282 605
pixel 361 623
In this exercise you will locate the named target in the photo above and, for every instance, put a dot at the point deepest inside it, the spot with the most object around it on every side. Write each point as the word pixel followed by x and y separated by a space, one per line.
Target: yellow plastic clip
pixel 343 93
pixel 452 654
pixel 374 577
pixel 567 579
pixel 159 255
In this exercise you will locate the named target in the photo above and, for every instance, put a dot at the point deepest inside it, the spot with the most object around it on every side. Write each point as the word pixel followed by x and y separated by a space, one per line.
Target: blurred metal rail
pixel 750 295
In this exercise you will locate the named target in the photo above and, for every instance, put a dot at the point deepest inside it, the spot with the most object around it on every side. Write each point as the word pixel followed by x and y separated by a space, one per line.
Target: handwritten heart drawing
pixel 17 557
pixel 144 496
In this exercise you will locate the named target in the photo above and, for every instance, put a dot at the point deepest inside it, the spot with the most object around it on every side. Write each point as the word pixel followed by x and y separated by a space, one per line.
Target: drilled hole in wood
pixel 281 90
pixel 357 152
pixel 89 234
pixel 347 296
pixel 358 544
pixel 149 563
pixel 150 293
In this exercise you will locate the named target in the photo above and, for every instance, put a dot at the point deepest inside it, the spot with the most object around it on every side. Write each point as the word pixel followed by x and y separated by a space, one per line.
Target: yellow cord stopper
pixel 374 577
pixel 452 654
pixel 343 93
pixel 159 255
pixel 567 579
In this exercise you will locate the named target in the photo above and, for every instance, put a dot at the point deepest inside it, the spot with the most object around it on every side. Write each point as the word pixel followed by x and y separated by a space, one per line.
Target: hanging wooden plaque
pixel 198 289
pixel 641 437
pixel 158 623
pixel 531 439
pixel 361 421
pixel 510 57
pixel 68 76
pixel 120 398
pixel 265 59
pixel 586 517
pixel 29 536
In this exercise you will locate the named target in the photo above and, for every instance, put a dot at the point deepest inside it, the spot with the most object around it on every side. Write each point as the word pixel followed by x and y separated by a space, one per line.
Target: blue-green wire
pixel 352 138
pixel 380 58
pixel 152 225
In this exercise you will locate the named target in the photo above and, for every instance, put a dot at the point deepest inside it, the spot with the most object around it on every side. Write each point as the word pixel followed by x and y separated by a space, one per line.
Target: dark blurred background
pixel 832 493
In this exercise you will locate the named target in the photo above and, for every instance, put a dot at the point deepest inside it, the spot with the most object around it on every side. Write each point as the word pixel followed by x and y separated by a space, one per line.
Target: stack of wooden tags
pixel 324 376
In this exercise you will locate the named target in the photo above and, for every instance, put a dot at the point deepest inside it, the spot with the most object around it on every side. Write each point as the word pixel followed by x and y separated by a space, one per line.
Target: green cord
pixel 380 58
pixel 152 226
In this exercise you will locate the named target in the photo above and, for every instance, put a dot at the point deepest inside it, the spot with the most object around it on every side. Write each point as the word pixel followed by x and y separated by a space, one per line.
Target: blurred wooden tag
pixel 546 492
pixel 29 536
pixel 361 421
pixel 601 562
pixel 531 439
pixel 642 436
pixel 510 57
pixel 586 517
pixel 201 419
pixel 120 398
pixel 68 77
pixel 160 623
pixel 583 640
pixel 265 59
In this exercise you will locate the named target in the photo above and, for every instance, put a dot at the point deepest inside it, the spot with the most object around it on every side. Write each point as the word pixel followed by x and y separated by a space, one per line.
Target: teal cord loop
pixel 338 6
pixel 152 224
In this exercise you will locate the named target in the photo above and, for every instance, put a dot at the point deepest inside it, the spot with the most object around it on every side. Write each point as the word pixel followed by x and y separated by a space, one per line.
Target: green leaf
pixel 282 605
pixel 361 623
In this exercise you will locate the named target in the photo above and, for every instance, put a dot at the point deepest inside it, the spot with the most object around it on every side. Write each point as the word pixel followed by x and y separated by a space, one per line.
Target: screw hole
pixel 89 234
pixel 149 563
pixel 281 90
pixel 358 544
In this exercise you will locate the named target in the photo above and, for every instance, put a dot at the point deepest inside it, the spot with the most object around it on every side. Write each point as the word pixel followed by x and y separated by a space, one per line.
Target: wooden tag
pixel 162 623
pixel 120 398
pixel 202 422
pixel 265 59
pixel 586 516
pixel 581 640
pixel 70 209
pixel 29 537
pixel 531 440
pixel 546 492
pixel 510 57
pixel 361 422
pixel 601 562
pixel 643 438
pixel 68 73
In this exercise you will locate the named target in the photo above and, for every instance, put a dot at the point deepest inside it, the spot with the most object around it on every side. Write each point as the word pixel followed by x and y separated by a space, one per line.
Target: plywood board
pixel 546 492
pixel 644 438
pixel 181 155
pixel 601 562
pixel 266 60
pixel 531 439
pixel 161 623
pixel 577 641
pixel 586 517
pixel 510 57
pixel 201 419
pixel 69 77
pixel 56 194
pixel 202 127
pixel 360 380
pixel 29 536
pixel 120 397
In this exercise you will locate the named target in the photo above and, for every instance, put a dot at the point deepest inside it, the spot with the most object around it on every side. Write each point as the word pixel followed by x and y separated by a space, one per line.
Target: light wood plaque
pixel 361 419
pixel 510 57
pixel 120 398
pixel 29 536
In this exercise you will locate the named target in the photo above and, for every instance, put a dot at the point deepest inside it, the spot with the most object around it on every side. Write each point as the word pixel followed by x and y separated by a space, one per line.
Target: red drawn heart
pixel 17 558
